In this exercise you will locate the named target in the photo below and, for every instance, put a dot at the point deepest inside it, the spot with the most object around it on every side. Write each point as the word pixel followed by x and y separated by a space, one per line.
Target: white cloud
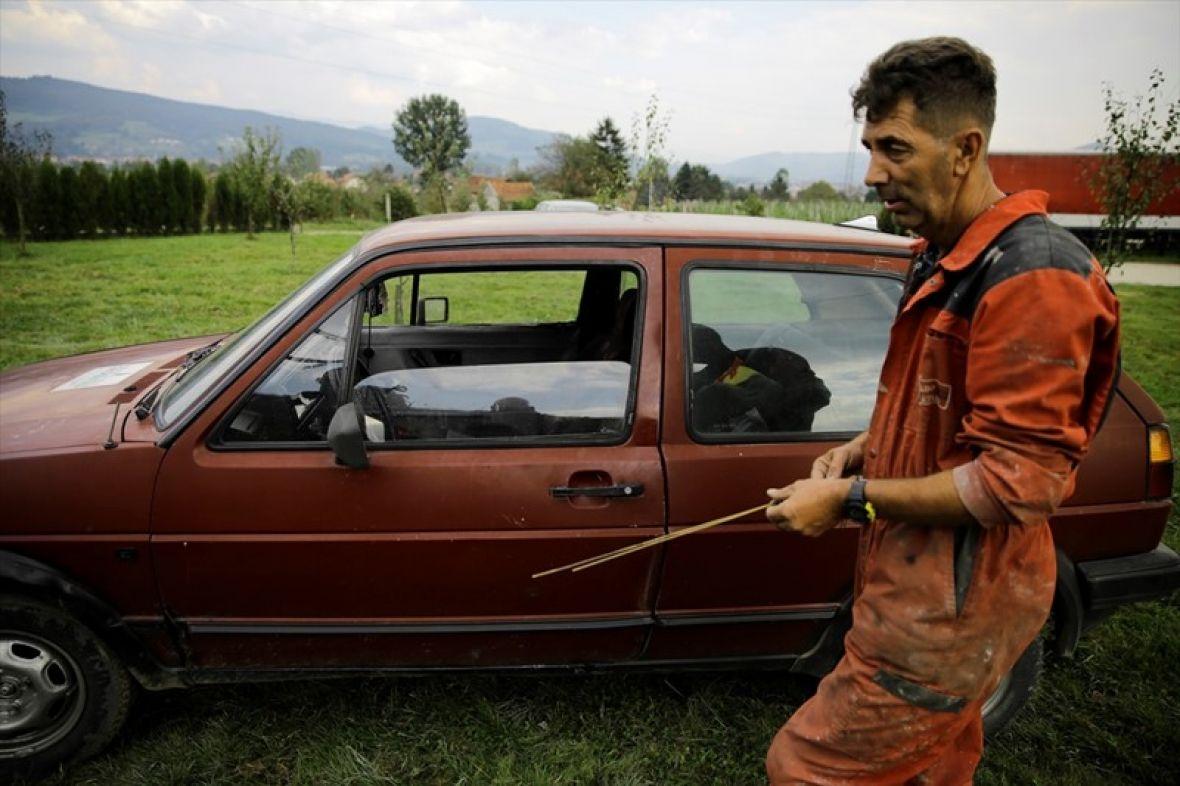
pixel 39 23
pixel 142 13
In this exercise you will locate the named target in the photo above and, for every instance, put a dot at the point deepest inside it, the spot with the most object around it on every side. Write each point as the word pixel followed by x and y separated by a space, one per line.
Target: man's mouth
pixel 893 205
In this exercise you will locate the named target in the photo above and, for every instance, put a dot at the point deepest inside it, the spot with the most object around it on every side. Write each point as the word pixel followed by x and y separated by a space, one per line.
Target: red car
pixel 369 476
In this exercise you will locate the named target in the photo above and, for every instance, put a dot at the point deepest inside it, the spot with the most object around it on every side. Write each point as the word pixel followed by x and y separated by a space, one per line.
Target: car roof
pixel 624 226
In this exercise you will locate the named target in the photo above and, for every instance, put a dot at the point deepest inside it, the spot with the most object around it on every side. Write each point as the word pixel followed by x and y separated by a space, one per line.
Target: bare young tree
pixel 19 155
pixel 1141 153
pixel 649 138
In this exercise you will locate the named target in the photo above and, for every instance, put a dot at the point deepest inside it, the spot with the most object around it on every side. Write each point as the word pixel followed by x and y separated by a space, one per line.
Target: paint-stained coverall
pixel 1000 366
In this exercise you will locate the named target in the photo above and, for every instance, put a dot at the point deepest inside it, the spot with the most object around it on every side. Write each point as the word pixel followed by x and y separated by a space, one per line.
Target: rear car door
pixel 510 400
pixel 771 358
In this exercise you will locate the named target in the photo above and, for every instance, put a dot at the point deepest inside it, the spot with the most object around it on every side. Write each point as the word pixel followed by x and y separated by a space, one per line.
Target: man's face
pixel 911 169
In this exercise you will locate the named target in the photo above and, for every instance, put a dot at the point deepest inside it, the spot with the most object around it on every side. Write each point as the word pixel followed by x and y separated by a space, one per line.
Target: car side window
pixel 297 399
pixel 505 355
pixel 780 353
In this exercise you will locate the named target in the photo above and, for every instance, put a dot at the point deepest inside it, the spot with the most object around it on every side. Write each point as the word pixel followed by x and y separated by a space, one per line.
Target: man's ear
pixel 968 150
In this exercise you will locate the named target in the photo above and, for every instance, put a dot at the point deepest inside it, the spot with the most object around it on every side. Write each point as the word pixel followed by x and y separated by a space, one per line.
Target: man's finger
pixel 819 469
pixel 781 494
pixel 836 466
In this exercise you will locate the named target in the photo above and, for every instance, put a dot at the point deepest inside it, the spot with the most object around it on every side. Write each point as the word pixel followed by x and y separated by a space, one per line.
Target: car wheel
pixel 1014 690
pixel 63 694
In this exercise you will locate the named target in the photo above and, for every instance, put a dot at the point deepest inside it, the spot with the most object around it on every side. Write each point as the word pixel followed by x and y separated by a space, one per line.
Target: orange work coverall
pixel 1000 366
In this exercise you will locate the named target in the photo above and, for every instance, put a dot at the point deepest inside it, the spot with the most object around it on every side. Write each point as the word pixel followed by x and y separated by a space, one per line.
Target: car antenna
pixel 110 443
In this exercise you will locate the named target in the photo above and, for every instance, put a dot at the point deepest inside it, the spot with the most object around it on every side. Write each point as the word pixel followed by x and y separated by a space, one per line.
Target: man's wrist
pixel 857 506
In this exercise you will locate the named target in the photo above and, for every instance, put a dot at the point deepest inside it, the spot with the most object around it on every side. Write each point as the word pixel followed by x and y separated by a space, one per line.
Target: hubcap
pixel 41 696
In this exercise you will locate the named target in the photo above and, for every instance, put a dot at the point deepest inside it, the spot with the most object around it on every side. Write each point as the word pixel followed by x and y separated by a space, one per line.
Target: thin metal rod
pixel 591 562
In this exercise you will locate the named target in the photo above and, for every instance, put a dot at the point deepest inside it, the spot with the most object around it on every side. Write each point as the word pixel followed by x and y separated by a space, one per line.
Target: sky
pixel 733 79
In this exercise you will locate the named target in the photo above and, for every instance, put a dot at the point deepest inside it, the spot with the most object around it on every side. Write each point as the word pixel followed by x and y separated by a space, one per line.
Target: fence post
pixel 388 209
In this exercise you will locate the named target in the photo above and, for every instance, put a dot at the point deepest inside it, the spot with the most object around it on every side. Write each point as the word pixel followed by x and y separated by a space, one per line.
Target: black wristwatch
pixel 856 506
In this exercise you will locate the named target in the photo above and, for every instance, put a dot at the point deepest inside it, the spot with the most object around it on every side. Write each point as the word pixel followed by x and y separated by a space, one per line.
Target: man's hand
pixel 841 460
pixel 810 507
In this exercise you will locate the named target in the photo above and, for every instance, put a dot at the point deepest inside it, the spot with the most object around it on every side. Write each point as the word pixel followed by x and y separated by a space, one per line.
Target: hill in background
pixel 87 121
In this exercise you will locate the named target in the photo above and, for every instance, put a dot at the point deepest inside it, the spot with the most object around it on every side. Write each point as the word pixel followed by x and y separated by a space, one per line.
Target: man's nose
pixel 876 175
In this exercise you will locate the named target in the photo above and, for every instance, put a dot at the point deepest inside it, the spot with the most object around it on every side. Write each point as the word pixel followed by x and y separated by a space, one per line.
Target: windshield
pixel 192 383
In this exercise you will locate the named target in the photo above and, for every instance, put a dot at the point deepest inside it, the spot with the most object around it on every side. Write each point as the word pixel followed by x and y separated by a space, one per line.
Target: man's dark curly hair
pixel 948 80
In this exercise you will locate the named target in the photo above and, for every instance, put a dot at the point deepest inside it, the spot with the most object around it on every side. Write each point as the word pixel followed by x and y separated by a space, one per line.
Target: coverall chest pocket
pixel 939 398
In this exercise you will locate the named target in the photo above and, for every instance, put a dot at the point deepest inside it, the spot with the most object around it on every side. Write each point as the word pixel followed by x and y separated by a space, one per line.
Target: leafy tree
pixel 69 197
pixel 1141 151
pixel 611 170
pixel 93 200
pixel 752 205
pixel 303 161
pixel 819 190
pixel 430 133
pixel 778 188
pixel 682 183
pixel 252 170
pixel 19 155
pixel 568 166
pixel 401 204
pixel 649 137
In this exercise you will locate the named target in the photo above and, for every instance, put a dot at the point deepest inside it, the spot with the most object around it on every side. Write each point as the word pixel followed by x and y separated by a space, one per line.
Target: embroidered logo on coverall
pixel 931 392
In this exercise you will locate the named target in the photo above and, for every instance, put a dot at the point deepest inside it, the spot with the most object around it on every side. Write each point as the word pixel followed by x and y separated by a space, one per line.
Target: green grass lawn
pixel 1111 715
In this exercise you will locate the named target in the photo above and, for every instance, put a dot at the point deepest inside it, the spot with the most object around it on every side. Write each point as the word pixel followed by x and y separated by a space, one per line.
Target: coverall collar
pixel 978 236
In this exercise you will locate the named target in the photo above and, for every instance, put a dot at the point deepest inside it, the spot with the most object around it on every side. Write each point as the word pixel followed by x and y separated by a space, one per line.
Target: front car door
pixel 771 358
pixel 510 399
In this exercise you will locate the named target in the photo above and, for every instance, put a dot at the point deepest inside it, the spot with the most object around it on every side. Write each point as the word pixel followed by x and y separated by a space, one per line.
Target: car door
pixel 499 446
pixel 771 358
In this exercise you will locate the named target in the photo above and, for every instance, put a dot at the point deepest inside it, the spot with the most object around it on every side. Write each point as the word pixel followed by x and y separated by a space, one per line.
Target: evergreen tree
pixel 198 188
pixel 165 195
pixel 69 200
pixel 778 188
pixel 180 207
pixel 144 191
pixel 94 202
pixel 610 179
pixel 45 224
pixel 115 214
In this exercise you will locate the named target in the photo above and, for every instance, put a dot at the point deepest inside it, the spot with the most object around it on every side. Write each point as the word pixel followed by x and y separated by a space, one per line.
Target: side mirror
pixel 433 311
pixel 346 437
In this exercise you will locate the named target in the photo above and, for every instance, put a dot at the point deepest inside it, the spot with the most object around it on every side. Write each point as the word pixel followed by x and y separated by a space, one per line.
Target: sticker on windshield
pixel 100 377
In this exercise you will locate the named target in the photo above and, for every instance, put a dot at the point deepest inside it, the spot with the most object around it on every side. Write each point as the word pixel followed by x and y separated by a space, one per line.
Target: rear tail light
pixel 1160 462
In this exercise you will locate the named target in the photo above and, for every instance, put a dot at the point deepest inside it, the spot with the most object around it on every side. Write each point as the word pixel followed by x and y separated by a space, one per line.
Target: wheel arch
pixel 21 575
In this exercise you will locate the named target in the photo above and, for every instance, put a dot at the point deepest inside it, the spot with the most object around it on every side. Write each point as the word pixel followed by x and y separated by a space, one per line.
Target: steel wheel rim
pixel 997 696
pixel 42 694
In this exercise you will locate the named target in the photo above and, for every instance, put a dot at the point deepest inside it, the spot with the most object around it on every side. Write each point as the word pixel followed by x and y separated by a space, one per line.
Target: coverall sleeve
pixel 1041 361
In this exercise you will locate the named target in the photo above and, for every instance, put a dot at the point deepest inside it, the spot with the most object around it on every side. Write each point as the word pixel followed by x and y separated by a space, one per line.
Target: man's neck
pixel 973 201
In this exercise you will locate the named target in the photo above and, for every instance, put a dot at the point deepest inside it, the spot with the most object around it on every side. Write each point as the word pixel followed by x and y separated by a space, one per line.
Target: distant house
pixel 499 193
pixel 350 181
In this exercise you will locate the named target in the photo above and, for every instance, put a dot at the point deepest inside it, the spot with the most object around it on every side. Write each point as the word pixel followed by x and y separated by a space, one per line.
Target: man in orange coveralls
pixel 1000 366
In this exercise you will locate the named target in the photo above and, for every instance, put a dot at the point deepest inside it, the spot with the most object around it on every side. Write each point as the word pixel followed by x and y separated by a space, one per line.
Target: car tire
pixel 63 694
pixel 1014 689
